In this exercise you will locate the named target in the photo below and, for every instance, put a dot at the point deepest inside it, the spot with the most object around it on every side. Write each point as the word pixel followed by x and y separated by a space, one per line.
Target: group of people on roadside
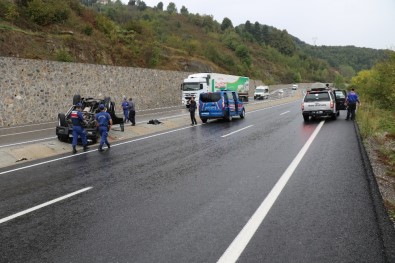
pixel 129 111
pixel 103 123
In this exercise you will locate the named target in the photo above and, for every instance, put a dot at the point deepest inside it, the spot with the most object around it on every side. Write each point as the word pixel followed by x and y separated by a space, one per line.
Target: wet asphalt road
pixel 184 195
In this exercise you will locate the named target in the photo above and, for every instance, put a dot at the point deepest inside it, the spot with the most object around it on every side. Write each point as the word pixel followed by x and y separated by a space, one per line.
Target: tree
pixel 160 6
pixel 226 23
pixel 184 10
pixel 171 8
pixel 248 27
pixel 141 5
pixel 132 2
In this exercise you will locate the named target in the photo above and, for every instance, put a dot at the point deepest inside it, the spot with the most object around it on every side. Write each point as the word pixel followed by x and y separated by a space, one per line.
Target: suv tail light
pixel 302 106
pixel 332 105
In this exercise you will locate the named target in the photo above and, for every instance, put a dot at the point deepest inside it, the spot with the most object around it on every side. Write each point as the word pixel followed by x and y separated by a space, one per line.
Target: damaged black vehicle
pixel 90 106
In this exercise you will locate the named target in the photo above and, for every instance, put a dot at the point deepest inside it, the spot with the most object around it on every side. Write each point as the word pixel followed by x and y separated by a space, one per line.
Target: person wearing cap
pixel 103 122
pixel 125 107
pixel 78 120
pixel 351 102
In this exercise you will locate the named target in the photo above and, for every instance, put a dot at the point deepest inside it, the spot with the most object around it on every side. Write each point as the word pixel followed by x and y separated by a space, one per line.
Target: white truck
pixel 198 83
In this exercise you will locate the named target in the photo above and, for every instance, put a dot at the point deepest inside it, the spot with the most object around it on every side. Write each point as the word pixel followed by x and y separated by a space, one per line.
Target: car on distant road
pixel 261 92
pixel 294 87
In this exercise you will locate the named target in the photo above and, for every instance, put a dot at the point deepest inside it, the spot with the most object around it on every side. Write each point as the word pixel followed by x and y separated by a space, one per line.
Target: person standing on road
pixel 125 108
pixel 351 101
pixel 192 109
pixel 104 123
pixel 78 120
pixel 132 112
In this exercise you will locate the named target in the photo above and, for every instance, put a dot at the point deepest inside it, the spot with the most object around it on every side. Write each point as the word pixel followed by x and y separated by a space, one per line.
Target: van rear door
pixel 210 104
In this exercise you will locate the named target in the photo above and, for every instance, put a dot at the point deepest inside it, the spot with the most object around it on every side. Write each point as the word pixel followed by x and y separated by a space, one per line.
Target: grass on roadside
pixel 379 125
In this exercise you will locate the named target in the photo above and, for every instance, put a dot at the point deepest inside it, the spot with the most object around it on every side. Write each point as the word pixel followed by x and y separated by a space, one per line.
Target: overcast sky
pixel 361 23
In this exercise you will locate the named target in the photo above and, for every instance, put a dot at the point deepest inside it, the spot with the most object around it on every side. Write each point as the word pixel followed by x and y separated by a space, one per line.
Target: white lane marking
pixel 26 132
pixel 238 245
pixel 27 125
pixel 226 135
pixel 8 218
pixel 284 113
pixel 95 150
pixel 7 145
pixel 271 107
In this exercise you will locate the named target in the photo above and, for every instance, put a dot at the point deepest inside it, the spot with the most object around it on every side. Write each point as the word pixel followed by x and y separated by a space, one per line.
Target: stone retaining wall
pixel 35 91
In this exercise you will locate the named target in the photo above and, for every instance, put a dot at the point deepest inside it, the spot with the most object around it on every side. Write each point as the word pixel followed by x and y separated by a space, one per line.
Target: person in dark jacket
pixel 351 101
pixel 104 123
pixel 132 112
pixel 125 108
pixel 192 109
pixel 78 120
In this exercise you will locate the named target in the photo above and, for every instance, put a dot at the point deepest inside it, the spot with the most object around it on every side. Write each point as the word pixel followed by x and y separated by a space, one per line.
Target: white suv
pixel 319 103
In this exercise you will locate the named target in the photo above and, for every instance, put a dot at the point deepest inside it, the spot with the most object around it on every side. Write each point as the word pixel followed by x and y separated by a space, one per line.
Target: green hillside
pixel 169 38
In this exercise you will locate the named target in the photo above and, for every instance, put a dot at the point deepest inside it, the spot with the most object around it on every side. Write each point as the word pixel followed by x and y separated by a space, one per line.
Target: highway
pixel 267 188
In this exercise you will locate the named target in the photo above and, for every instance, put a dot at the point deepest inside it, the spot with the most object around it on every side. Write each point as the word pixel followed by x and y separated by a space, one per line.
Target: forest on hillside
pixel 169 38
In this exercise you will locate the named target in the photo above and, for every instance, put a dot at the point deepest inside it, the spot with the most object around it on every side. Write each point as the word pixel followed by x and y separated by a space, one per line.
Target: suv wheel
pixel 242 114
pixel 306 118
pixel 334 116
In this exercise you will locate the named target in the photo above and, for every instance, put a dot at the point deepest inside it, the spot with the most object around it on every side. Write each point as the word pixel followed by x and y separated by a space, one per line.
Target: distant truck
pixel 196 84
pixel 261 92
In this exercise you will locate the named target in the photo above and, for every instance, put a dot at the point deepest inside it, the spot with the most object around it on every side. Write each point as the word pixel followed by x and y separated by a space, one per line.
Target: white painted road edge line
pixel 284 113
pixel 25 132
pixel 8 218
pixel 7 145
pixel 95 150
pixel 241 241
pixel 226 135
pixel 28 125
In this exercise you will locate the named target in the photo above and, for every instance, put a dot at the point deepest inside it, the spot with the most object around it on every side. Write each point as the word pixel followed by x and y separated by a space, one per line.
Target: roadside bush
pixel 88 30
pixel 63 56
pixel 48 12
pixel 106 26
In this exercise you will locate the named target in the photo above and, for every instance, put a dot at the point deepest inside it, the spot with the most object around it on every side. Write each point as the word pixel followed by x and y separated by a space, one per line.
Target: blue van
pixel 220 105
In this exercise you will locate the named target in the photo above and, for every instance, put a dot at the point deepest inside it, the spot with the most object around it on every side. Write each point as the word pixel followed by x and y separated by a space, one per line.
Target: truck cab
pixel 220 105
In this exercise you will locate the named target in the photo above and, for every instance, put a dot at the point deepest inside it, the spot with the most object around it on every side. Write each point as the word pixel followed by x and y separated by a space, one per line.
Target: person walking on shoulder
pixel 351 101
pixel 132 112
pixel 77 120
pixel 104 123
pixel 192 109
pixel 125 108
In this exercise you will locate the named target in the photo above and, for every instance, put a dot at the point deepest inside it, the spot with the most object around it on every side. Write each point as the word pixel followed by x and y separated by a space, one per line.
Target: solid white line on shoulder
pixel 241 241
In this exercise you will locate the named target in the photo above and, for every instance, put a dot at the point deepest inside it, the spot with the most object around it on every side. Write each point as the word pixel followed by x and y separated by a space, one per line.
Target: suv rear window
pixel 322 96
pixel 210 97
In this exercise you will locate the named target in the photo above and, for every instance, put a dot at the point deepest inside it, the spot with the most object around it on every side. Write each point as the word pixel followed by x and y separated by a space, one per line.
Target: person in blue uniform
pixel 78 120
pixel 351 101
pixel 104 123
pixel 125 107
